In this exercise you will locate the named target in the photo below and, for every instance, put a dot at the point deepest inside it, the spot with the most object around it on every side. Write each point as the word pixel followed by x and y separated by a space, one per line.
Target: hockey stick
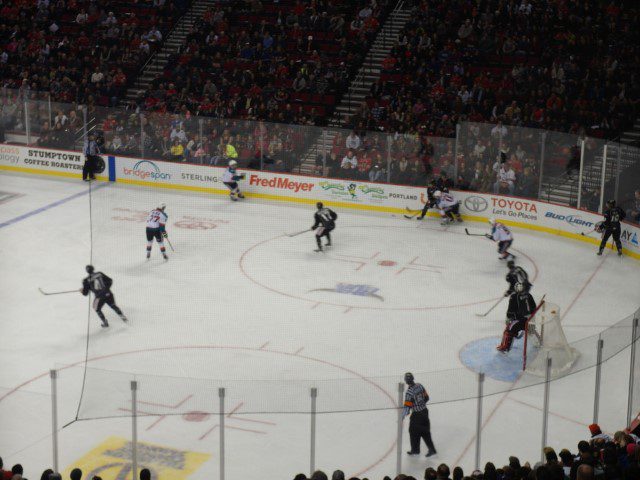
pixel 587 233
pixel 466 230
pixel 57 293
pixel 169 242
pixel 489 311
pixel 413 213
pixel 295 234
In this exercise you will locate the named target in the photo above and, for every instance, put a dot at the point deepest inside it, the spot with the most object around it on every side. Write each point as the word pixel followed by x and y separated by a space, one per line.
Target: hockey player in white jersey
pixel 230 178
pixel 156 222
pixel 504 237
pixel 449 207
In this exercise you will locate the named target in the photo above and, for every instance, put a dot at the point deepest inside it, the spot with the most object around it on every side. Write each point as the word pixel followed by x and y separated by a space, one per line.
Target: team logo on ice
pixel 353 289
pixel 146 169
pixel 476 204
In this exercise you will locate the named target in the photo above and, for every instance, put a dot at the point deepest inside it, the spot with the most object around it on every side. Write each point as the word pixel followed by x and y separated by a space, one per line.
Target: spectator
pixel 319 475
pixel 376 174
pixel 506 179
pixel 585 472
pixel 458 473
pixel 353 141
pixel 17 471
pixel 145 474
pixel 596 433
pixel 46 475
pixel 76 474
pixel 350 159
pixel 633 213
pixel 177 151
pixel 585 457
pixel 566 459
pixel 443 472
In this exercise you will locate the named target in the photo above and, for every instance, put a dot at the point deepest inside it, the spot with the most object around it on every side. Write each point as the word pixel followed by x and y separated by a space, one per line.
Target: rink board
pixel 377 197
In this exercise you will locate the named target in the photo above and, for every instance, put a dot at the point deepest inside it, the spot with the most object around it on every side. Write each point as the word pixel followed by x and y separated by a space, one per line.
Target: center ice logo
pixel 358 290
pixel 145 169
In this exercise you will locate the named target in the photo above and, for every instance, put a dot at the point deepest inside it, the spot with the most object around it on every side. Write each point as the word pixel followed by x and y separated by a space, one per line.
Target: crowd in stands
pixel 602 457
pixel 80 51
pixel 556 65
pixel 287 61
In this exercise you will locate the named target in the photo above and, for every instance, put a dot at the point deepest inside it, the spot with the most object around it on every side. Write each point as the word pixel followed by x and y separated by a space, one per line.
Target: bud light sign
pixel 570 219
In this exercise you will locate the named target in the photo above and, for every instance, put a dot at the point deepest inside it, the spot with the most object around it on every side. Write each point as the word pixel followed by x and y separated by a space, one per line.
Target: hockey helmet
pixel 162 206
pixel 492 221
pixel 89 268
pixel 519 287
pixel 408 378
pixel 611 203
pixel 437 194
pixel 233 164
pixel 319 205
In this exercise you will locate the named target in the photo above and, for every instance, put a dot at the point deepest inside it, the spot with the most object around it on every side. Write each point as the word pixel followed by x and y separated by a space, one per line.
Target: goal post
pixel 544 338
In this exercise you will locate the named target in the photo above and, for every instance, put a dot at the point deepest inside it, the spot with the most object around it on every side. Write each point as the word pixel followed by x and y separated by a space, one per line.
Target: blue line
pixel 50 206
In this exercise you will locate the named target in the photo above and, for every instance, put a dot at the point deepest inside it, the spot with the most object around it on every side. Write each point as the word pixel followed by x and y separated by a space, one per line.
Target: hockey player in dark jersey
pixel 431 200
pixel 100 285
pixel 324 223
pixel 516 275
pixel 521 306
pixel 611 226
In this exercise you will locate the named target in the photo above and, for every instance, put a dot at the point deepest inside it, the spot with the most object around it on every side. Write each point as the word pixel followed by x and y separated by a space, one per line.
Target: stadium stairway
pixel 368 74
pixel 155 66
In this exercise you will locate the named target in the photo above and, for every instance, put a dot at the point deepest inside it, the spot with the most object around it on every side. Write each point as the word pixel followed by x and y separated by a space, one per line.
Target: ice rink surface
pixel 241 305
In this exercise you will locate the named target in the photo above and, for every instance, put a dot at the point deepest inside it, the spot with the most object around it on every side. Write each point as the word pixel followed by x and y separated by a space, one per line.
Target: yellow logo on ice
pixel 111 460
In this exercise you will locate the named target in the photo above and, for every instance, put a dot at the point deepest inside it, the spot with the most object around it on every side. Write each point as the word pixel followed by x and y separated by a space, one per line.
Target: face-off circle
pixel 381 268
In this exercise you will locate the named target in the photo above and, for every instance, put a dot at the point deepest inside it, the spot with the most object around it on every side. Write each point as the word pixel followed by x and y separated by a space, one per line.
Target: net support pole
pixel 134 429
pixel 479 419
pixel 545 407
pixel 221 394
pixel 324 152
pixel 312 453
pixel 50 117
pixel 54 417
pixel 455 152
pixel 399 438
pixel 579 202
pixel 602 178
pixel 634 336
pixel 389 158
pixel 596 394
pixel 543 145
pixel 618 159
pixel 27 120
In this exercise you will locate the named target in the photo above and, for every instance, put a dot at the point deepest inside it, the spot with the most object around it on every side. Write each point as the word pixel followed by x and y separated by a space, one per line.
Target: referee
pixel 416 399
pixel 91 152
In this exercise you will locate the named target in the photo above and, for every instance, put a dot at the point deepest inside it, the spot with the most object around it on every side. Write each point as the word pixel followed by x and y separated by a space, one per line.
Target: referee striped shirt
pixel 415 398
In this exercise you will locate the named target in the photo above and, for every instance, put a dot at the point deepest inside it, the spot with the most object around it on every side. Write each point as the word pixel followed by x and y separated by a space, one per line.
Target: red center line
pixel 550 413
pixel 204 435
pixel 583 288
pixel 179 404
pixel 235 409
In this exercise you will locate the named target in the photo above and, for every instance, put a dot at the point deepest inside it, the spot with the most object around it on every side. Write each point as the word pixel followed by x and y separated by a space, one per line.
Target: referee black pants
pixel 420 428
pixel 88 168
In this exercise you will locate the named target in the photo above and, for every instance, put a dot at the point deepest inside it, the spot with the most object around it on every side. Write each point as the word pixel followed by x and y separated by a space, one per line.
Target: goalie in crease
pixel 521 306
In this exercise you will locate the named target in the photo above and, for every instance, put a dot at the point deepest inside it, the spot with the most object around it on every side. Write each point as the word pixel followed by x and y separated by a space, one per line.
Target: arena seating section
pixel 602 456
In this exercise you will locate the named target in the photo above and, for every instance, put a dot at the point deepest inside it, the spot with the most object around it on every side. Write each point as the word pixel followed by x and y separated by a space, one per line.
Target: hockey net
pixel 544 338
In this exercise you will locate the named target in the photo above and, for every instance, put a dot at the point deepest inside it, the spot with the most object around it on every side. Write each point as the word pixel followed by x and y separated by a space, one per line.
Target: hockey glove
pixel 165 234
pixel 488 236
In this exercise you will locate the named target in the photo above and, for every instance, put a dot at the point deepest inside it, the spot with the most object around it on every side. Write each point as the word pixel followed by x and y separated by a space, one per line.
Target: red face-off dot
pixel 387 263
pixel 195 416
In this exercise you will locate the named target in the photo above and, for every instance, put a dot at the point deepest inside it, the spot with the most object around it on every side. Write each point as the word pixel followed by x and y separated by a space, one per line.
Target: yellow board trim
pixel 53 173
pixel 310 201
